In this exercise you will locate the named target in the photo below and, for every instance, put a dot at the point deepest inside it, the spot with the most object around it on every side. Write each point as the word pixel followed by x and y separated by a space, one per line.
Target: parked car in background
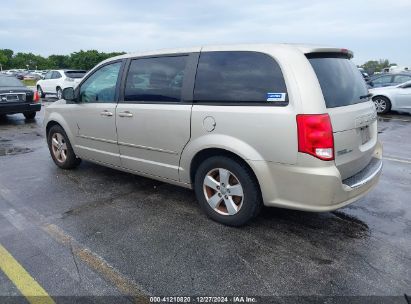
pixel 17 98
pixel 386 80
pixel 364 74
pixel 55 81
pixel 32 76
pixel 281 125
pixel 392 98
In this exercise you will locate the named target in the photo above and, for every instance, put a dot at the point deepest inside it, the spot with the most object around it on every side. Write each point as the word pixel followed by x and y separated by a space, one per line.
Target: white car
pixel 396 98
pixel 55 81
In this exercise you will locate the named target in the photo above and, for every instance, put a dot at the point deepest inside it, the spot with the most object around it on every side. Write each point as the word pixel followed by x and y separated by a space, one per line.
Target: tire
pixel 60 148
pixel 382 104
pixel 59 93
pixel 29 115
pixel 239 209
pixel 40 92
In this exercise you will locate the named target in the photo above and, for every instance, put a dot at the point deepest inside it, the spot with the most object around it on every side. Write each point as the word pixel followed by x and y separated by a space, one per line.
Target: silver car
pixel 397 98
pixel 244 126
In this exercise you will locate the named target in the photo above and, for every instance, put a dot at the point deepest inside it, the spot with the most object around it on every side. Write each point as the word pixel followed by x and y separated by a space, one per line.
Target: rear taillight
pixel 36 97
pixel 315 135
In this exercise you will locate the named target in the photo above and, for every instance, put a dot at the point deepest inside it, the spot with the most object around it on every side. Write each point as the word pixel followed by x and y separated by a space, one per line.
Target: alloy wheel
pixel 59 147
pixel 223 191
pixel 380 105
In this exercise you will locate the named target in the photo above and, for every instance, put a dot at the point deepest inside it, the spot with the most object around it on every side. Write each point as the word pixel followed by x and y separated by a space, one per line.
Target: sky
pixel 371 29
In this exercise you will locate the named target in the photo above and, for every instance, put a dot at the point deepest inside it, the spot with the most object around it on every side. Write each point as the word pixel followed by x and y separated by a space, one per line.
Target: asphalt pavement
pixel 95 231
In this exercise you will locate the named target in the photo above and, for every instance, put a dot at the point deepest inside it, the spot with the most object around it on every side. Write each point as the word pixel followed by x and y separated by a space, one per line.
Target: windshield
pixel 9 81
pixel 341 82
pixel 75 74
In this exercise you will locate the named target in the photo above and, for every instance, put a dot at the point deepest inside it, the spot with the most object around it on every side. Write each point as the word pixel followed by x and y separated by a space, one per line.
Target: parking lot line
pixel 98 264
pixel 24 282
pixel 405 161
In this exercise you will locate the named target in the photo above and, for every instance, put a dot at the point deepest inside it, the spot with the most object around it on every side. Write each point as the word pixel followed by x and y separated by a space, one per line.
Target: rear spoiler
pixel 330 52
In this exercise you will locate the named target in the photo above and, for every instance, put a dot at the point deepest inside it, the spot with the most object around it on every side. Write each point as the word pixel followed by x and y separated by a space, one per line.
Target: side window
pixel 56 75
pixel 157 79
pixel 101 85
pixel 401 79
pixel 382 79
pixel 48 75
pixel 239 77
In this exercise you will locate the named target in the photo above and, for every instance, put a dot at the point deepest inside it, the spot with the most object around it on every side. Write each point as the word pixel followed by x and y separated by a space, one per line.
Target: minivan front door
pixel 153 119
pixel 94 114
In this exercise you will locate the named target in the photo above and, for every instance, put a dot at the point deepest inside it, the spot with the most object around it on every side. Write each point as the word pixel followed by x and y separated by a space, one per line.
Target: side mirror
pixel 68 94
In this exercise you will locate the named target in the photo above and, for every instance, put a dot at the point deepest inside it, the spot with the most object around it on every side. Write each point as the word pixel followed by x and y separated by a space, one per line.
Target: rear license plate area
pixel 365 135
pixel 12 98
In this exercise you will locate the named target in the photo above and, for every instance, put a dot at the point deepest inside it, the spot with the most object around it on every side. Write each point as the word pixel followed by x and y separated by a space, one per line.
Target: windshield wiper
pixel 366 96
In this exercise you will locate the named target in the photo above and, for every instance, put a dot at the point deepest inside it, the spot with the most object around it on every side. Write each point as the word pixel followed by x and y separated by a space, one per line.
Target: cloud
pixel 48 27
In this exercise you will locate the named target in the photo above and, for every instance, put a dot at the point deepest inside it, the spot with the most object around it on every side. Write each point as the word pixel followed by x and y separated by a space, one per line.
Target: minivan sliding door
pixel 153 114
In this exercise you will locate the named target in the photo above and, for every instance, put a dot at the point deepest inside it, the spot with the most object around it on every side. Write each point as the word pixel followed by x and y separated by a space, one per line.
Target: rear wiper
pixel 366 96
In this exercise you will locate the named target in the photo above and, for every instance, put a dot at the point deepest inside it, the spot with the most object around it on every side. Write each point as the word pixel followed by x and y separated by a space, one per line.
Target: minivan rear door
pixel 352 113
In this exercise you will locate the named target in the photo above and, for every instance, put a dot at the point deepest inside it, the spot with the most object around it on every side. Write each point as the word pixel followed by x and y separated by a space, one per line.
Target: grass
pixel 29 82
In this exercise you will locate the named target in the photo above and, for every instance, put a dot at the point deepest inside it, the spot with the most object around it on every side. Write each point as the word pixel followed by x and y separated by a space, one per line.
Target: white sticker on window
pixel 276 96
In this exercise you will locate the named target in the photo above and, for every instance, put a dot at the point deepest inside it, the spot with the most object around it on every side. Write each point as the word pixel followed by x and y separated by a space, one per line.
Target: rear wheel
pixel 382 104
pixel 60 148
pixel 227 191
pixel 29 115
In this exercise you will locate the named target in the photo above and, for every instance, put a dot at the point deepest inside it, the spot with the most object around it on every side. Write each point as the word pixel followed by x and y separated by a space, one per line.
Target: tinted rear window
pixel 341 82
pixel 9 81
pixel 75 74
pixel 239 77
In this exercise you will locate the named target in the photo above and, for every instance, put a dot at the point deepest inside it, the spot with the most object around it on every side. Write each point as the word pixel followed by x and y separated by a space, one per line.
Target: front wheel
pixel 382 104
pixel 227 191
pixel 60 148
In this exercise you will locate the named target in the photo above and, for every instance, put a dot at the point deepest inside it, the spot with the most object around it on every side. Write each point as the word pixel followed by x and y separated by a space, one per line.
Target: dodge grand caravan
pixel 281 125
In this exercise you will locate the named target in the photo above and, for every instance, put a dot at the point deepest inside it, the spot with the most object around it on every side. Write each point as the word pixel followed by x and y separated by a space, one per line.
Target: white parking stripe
pixel 406 161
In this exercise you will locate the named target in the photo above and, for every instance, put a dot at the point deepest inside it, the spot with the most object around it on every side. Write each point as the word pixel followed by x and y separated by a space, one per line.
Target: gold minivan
pixel 247 125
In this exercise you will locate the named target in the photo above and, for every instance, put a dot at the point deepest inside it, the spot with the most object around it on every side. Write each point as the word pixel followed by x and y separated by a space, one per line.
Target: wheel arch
pixel 57 119
pixel 381 95
pixel 206 153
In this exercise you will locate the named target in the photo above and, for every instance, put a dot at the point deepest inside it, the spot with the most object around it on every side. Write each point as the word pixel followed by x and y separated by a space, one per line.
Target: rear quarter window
pixel 341 82
pixel 239 78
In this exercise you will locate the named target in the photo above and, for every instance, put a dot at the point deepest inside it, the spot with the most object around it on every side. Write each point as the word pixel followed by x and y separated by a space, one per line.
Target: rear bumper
pixel 315 188
pixel 13 108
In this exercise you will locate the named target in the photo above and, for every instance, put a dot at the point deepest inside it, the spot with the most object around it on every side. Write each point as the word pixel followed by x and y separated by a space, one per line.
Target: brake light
pixel 36 97
pixel 315 135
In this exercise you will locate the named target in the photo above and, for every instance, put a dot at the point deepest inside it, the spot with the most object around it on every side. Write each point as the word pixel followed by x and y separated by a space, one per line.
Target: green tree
pixel 88 59
pixel 77 60
pixel 6 56
pixel 59 61
pixel 373 66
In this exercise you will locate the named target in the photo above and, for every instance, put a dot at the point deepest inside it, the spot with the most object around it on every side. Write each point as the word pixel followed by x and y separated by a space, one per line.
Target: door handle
pixel 106 113
pixel 125 114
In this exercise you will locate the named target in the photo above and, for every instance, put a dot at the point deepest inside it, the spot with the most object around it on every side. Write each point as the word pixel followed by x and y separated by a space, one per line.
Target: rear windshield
pixel 340 80
pixel 9 81
pixel 75 74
